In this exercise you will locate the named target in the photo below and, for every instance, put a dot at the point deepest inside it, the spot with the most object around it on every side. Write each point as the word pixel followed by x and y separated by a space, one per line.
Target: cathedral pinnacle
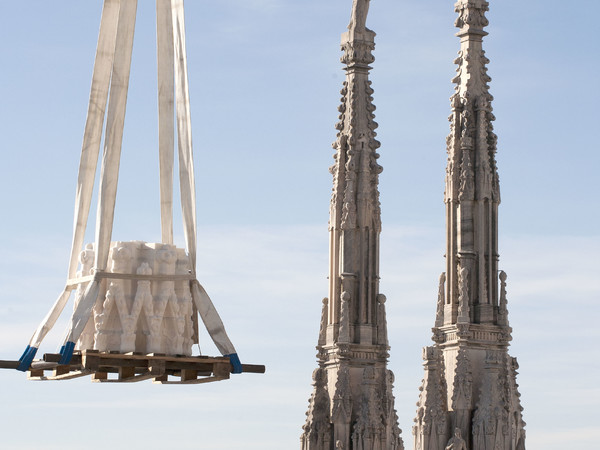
pixel 470 380
pixel 352 345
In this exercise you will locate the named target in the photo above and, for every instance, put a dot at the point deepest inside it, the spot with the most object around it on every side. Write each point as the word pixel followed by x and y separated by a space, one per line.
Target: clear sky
pixel 265 79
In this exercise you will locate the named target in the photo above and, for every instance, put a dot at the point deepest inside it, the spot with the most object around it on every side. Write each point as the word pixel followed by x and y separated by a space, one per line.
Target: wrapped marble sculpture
pixel 148 315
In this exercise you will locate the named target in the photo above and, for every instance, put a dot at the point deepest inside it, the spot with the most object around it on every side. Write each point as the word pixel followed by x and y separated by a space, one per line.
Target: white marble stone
pixel 352 405
pixel 152 314
pixel 470 379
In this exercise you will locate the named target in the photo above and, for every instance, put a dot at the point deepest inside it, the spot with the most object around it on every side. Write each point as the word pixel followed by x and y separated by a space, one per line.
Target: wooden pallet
pixel 115 367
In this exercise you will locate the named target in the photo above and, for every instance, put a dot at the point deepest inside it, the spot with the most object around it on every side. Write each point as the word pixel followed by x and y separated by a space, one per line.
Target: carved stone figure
pixel 439 314
pixel 323 325
pixel 503 306
pixel 358 19
pixel 456 442
pixel 463 296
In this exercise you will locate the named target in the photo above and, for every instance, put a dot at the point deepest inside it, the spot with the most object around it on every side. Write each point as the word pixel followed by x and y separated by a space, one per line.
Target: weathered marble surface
pixel 352 405
pixel 470 379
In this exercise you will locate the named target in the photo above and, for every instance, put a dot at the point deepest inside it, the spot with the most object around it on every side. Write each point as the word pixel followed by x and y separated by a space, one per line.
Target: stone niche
pixel 148 309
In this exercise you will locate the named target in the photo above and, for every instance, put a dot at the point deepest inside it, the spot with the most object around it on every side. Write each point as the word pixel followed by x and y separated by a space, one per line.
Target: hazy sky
pixel 265 79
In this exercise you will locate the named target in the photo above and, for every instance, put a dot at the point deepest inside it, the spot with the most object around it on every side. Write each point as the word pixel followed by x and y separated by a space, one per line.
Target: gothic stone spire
pixel 471 330
pixel 353 346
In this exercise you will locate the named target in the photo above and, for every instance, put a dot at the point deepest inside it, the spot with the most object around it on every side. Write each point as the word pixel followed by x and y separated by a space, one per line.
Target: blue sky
pixel 265 79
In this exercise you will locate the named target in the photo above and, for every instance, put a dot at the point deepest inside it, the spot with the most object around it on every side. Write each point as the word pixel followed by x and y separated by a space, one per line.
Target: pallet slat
pixel 134 367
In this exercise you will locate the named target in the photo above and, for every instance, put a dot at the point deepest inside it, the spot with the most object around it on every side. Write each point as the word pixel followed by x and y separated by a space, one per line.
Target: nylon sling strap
pixel 166 112
pixel 87 166
pixel 202 301
pixel 109 172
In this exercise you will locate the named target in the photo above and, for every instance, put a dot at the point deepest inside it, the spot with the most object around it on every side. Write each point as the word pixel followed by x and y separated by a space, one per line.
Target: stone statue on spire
pixel 358 20
pixel 456 442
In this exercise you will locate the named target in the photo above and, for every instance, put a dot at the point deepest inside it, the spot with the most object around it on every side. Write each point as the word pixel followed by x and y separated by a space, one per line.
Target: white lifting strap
pixel 109 172
pixel 166 112
pixel 89 159
pixel 208 313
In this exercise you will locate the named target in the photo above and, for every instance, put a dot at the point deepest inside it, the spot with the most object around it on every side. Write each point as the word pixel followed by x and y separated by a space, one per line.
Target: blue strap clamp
pixel 66 352
pixel 234 359
pixel 27 358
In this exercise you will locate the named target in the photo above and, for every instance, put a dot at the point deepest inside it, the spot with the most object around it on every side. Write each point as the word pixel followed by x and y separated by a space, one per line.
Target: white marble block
pixel 142 310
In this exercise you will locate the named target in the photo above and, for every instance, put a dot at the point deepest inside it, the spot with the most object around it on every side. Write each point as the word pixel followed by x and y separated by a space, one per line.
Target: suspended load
pixel 136 304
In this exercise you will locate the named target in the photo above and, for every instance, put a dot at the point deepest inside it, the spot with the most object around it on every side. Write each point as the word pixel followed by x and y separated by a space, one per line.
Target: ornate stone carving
pixel 317 430
pixel 323 326
pixel 143 315
pixel 358 52
pixel 471 330
pixel 382 338
pixel 456 442
pixel 463 297
pixel 503 305
pixel 490 420
pixel 344 336
pixel 358 19
pixel 369 432
pixel 471 16
pixel 431 422
pixel 353 349
pixel 467 185
pixel 439 313
pixel 463 382
pixel 390 417
pixel 516 423
pixel 342 400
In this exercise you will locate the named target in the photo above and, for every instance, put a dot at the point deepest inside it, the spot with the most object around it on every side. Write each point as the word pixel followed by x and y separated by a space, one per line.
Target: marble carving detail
pixel 140 315
pixel 354 408
pixel 469 397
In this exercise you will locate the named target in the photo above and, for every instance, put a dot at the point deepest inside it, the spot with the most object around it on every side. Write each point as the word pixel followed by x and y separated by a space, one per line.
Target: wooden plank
pixel 33 374
pixel 56 357
pixel 203 367
pixel 99 376
pixel 61 370
pixel 142 377
pixel 134 366
pixel 152 356
pixel 161 379
pixel 189 374
pixel 93 362
pixel 196 381
pixel 157 368
pixel 222 370
pixel 9 364
pixel 70 375
pixel 253 368
pixel 126 372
